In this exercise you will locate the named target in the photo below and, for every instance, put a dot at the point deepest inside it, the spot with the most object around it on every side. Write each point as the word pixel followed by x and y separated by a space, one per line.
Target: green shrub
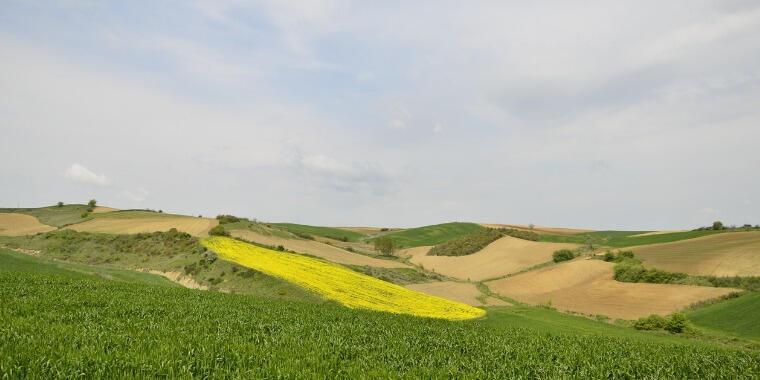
pixel 218 231
pixel 84 214
pixel 59 204
pixel 677 323
pixel 652 322
pixel 563 255
pixel 230 219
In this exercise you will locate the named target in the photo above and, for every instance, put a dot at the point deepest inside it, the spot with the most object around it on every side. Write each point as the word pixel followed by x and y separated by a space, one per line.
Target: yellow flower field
pixel 338 283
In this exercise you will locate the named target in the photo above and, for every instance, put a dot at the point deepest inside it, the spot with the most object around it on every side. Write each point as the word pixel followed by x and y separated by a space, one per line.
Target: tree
pixel 717 225
pixel 385 245
pixel 92 203
pixel 59 204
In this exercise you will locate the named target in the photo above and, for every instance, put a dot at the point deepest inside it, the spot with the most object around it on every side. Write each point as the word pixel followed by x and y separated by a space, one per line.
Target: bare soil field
pixel 539 229
pixel 462 292
pixel 725 254
pixel 502 257
pixel 103 209
pixel 657 233
pixel 318 249
pixel 193 226
pixel 587 286
pixel 12 224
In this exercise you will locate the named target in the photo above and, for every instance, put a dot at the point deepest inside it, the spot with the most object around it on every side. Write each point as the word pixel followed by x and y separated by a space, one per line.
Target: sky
pixel 636 115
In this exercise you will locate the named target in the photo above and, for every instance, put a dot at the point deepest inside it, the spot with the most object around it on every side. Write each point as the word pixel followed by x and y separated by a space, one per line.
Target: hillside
pixel 738 317
pixel 87 326
pixel 433 235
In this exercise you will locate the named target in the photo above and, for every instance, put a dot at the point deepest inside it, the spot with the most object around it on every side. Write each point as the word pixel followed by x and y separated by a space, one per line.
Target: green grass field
pixel 739 317
pixel 328 232
pixel 68 324
pixel 622 239
pixel 55 216
pixel 433 235
pixel 14 261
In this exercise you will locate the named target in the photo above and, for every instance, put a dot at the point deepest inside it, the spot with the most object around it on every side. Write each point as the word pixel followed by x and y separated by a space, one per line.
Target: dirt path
pixel 177 277
pixel 502 257
pixel 587 286
pixel 12 224
pixel 318 249
pixel 463 292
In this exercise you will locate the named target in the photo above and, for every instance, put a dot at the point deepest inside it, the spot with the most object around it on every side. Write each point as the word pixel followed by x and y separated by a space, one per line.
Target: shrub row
pixel 675 323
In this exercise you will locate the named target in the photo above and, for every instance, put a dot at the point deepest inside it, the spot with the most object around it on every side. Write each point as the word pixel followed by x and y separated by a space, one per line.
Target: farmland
pixel 502 257
pixel 432 235
pixel 12 224
pixel 587 286
pixel 338 283
pixel 71 324
pixel 725 254
pixel 328 232
pixel 315 248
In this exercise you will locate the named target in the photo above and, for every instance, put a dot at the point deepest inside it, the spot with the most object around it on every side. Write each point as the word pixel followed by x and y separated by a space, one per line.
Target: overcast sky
pixel 609 114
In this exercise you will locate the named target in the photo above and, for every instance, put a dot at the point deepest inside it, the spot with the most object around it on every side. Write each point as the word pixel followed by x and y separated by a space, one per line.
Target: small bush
pixel 230 219
pixel 563 255
pixel 218 231
pixel 84 214
pixel 59 204
pixel 383 229
pixel 677 323
pixel 304 235
pixel 652 322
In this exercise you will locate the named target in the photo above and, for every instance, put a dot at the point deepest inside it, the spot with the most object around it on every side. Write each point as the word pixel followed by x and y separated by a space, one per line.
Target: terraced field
pixel 724 254
pixel 587 286
pixel 338 283
pixel 502 257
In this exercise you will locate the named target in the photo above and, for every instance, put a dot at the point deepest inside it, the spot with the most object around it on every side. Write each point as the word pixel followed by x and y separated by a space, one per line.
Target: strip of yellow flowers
pixel 338 283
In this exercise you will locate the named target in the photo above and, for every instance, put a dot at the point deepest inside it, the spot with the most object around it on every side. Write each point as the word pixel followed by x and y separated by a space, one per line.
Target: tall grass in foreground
pixel 56 325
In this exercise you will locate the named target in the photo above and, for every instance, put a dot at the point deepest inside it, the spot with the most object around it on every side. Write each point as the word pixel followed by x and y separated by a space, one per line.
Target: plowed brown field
pixel 587 286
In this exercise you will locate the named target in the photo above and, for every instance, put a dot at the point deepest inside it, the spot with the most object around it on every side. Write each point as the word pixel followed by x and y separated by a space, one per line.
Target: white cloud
pixel 79 173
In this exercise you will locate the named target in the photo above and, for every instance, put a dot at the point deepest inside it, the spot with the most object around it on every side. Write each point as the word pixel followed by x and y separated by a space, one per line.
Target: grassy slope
pixel 66 325
pixel 328 232
pixel 53 215
pixel 739 317
pixel 128 214
pixel 433 235
pixel 160 251
pixel 24 263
